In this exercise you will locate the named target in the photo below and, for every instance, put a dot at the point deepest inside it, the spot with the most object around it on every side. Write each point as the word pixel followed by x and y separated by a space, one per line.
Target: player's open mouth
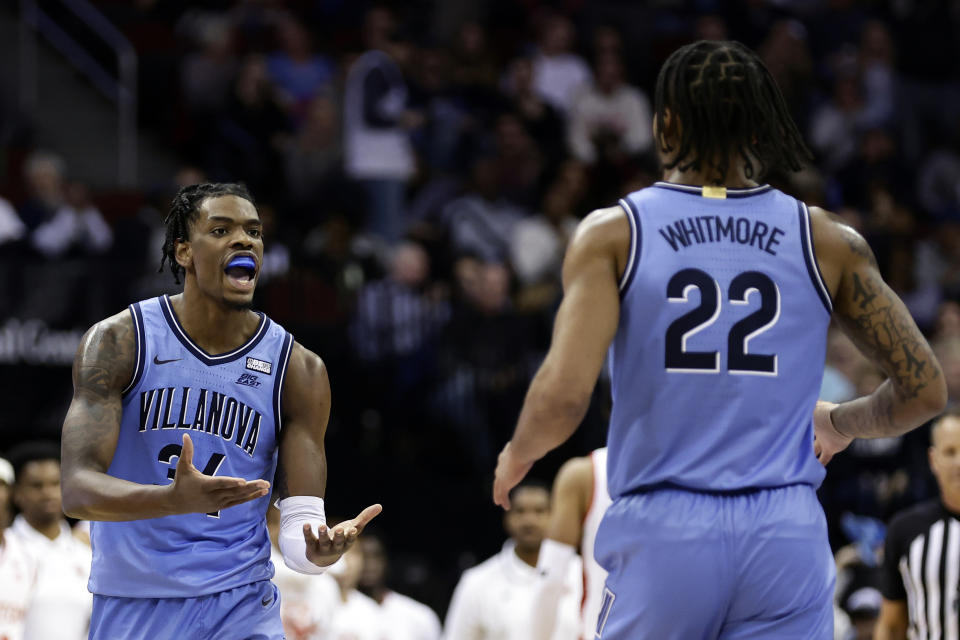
pixel 241 272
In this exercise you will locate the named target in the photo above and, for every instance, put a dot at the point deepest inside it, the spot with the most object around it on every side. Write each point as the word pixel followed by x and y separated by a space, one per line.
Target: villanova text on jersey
pixel 230 405
pixel 210 412
pixel 718 357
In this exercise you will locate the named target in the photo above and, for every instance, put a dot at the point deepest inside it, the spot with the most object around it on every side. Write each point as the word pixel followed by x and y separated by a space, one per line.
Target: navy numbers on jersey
pixel 739 360
pixel 705 314
pixel 171 451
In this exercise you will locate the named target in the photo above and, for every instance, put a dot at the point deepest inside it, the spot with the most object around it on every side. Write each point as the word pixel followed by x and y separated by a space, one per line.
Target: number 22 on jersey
pixel 677 358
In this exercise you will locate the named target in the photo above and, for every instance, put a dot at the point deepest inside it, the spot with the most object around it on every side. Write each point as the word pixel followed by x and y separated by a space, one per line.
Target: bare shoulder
pixel 831 232
pixel 305 364
pixel 576 470
pixel 607 225
pixel 838 246
pixel 603 234
pixel 575 477
pixel 107 354
pixel 306 380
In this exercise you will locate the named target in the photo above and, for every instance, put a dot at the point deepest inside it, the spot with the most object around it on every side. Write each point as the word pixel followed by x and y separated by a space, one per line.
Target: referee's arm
pixel 893 621
pixel 894 615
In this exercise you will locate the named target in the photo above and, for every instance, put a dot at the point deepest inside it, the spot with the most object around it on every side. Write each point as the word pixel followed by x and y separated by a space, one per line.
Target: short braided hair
pixel 726 102
pixel 183 210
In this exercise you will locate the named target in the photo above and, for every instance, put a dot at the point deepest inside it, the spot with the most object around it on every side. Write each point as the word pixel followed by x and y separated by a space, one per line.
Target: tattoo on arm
pixel 884 332
pixel 860 247
pixel 101 370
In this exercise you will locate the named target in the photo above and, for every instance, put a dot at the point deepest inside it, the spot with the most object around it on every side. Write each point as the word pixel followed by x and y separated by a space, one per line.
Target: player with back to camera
pixel 184 408
pixel 713 292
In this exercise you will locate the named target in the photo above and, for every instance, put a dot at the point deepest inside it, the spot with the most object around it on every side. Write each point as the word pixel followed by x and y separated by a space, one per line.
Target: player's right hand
pixel 827 441
pixel 196 492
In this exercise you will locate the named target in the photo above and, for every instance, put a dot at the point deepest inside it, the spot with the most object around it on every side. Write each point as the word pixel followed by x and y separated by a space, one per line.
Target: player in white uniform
pixel 580 499
pixel 61 604
pixel 406 618
pixel 495 599
pixel 17 570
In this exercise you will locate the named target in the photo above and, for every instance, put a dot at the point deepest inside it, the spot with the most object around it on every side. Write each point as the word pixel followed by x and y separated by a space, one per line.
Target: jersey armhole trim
pixel 636 238
pixel 141 348
pixel 285 350
pixel 810 259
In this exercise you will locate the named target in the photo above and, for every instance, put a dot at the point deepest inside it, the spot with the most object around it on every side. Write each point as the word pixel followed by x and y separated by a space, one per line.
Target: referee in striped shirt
pixel 921 591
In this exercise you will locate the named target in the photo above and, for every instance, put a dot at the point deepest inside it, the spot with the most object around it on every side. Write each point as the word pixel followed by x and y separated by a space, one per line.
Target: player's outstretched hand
pixel 509 473
pixel 329 544
pixel 827 441
pixel 196 492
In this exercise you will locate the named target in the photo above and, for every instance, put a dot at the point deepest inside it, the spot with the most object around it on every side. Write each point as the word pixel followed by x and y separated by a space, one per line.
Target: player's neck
pixel 213 326
pixel 376 593
pixel 735 179
pixel 529 556
pixel 50 529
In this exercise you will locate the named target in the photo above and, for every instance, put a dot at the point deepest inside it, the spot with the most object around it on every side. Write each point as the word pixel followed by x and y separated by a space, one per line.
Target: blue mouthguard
pixel 243 261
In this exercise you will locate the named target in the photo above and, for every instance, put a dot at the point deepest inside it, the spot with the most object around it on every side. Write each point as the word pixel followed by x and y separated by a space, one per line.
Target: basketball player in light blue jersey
pixel 184 410
pixel 711 293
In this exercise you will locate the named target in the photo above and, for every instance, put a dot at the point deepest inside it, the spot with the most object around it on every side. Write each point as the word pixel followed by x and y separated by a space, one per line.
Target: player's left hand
pixel 827 441
pixel 328 545
pixel 509 473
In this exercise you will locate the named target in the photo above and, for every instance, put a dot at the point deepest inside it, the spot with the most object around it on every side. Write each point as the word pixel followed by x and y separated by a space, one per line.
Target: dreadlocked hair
pixel 725 102
pixel 183 210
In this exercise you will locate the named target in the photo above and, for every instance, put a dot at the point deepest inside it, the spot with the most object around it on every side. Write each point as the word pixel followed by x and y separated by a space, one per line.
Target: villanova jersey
pixel 230 405
pixel 718 357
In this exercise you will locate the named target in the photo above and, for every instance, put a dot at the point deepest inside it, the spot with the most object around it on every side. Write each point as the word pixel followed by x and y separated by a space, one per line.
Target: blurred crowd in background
pixel 420 167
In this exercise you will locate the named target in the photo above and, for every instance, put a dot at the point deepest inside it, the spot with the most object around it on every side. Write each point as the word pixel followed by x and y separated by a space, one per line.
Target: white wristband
pixel 554 560
pixel 295 512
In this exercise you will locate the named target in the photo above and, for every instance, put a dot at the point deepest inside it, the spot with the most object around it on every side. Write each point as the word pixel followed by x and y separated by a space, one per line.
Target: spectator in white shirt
pixel 494 600
pixel 17 567
pixel 557 72
pixel 406 618
pixel 61 605
pixel 325 606
pixel 306 601
pixel 355 617
pixel 611 113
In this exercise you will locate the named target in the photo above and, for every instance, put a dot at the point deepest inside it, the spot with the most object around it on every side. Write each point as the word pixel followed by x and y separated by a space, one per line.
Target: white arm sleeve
pixel 553 561
pixel 296 511
pixel 553 564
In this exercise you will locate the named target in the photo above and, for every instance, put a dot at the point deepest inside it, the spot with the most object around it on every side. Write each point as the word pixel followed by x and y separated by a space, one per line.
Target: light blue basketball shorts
pixel 697 566
pixel 250 612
